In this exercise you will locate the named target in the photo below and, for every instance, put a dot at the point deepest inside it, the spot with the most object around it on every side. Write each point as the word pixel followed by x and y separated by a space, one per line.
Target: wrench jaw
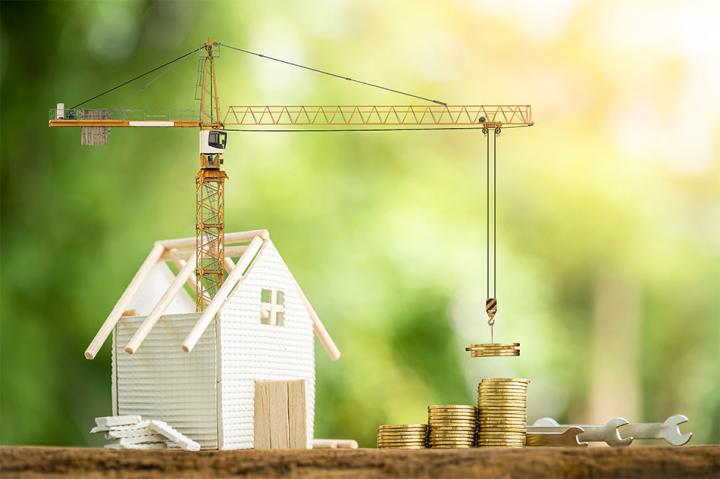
pixel 612 433
pixel 672 432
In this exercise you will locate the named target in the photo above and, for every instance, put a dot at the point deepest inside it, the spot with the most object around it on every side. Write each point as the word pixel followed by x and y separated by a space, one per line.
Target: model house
pixel 238 374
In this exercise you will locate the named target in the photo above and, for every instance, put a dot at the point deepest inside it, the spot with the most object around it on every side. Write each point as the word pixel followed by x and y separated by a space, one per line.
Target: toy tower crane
pixel 210 179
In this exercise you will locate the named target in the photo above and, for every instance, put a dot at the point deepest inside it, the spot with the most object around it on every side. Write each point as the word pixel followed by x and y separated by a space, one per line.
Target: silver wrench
pixel 668 430
pixel 567 438
pixel 607 433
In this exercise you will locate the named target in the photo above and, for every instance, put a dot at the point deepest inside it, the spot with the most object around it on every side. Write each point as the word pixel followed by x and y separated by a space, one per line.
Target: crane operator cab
pixel 212 144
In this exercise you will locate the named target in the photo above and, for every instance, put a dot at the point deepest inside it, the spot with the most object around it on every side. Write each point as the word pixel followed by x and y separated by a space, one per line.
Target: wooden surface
pixel 635 461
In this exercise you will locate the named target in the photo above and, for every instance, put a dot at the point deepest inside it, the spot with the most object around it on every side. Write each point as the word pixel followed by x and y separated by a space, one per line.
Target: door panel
pixel 280 415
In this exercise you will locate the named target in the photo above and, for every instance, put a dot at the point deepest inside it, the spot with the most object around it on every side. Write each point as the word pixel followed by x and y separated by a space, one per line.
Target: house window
pixel 272 307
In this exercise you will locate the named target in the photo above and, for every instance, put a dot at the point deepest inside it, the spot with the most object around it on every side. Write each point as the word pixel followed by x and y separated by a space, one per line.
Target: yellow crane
pixel 210 179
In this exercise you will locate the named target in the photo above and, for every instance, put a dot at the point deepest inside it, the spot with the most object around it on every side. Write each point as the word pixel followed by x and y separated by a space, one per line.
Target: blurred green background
pixel 609 207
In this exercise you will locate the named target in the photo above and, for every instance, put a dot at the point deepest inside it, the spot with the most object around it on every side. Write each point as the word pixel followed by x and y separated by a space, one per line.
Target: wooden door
pixel 280 415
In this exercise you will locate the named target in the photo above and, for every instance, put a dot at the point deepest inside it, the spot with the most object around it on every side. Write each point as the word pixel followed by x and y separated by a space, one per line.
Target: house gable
pixel 251 350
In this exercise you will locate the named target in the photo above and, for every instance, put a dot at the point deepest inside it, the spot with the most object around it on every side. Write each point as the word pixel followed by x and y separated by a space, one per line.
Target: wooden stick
pixel 136 341
pixel 124 300
pixel 324 444
pixel 177 254
pixel 229 238
pixel 191 282
pixel 323 336
pixel 233 279
pixel 228 263
pixel 334 444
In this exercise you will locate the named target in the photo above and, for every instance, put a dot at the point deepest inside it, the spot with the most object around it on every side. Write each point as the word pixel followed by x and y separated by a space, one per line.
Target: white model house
pixel 241 374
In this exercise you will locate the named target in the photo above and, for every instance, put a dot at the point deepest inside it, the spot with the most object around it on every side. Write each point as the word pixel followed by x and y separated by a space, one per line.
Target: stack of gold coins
pixel 493 349
pixel 502 412
pixel 452 426
pixel 402 436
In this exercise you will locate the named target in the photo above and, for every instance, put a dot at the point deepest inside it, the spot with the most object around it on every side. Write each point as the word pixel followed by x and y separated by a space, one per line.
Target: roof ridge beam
pixel 229 238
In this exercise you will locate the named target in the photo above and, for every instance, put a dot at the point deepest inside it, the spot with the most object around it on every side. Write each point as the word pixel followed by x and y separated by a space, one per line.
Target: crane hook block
pixel 491 307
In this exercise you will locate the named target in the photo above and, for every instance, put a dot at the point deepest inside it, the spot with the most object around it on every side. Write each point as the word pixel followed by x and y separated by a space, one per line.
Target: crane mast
pixel 209 188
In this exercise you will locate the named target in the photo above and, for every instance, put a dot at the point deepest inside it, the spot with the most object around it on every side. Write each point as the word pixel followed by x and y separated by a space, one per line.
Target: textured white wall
pixel 252 351
pixel 160 381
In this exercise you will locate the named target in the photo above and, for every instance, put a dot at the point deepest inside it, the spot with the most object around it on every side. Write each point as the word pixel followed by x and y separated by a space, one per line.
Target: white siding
pixel 160 381
pixel 252 351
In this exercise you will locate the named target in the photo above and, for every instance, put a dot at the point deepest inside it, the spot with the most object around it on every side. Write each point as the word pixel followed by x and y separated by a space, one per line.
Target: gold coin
pixel 522 405
pixel 513 419
pixel 502 407
pixel 501 443
pixel 496 411
pixel 452 412
pixel 502 387
pixel 499 422
pixel 402 447
pixel 452 446
pixel 451 407
pixel 503 397
pixel 505 380
pixel 514 439
pixel 412 433
pixel 496 388
pixel 464 446
pixel 401 444
pixel 451 441
pixel 493 352
pixel 469 412
pixel 453 425
pixel 449 427
pixel 491 392
pixel 460 414
pixel 505 429
pixel 451 419
pixel 403 426
pixel 443 429
pixel 493 345
pixel 485 384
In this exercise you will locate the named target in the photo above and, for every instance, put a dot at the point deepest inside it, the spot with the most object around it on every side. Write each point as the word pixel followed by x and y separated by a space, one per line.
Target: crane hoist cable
pixel 491 303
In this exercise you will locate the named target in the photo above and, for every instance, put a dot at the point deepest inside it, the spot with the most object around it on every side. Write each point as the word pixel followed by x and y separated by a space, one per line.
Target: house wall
pixel 160 381
pixel 250 350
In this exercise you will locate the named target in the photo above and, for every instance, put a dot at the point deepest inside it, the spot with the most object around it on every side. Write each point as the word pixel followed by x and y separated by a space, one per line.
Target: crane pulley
pixel 213 128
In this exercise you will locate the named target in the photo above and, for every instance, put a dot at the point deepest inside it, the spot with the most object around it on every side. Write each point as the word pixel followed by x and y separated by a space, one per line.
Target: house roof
pixel 245 245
